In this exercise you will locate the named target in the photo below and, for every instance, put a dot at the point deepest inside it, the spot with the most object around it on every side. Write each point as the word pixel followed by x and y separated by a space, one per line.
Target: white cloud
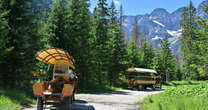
pixel 117 2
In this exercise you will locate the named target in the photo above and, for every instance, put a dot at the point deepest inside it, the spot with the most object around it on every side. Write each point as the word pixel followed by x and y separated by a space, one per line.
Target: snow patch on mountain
pixel 156 38
pixel 157 22
pixel 160 23
pixel 174 33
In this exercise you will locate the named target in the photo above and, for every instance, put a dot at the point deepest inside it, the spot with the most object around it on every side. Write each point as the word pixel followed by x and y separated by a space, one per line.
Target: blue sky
pixel 136 7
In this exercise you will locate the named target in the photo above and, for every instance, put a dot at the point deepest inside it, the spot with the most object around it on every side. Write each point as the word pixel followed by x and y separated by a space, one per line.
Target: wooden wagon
pixel 60 89
pixel 142 78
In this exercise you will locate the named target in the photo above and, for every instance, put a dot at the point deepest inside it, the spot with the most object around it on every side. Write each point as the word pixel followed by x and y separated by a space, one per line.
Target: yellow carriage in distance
pixel 141 78
pixel 60 89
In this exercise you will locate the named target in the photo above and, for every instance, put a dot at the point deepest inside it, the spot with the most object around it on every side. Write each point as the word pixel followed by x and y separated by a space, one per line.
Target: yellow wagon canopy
pixel 51 55
pixel 141 70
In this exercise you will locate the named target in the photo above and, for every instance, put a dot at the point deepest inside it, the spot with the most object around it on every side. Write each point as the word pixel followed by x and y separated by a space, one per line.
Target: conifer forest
pixel 97 42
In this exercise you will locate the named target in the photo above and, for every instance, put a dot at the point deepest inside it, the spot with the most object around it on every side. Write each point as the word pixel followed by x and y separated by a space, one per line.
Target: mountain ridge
pixel 160 23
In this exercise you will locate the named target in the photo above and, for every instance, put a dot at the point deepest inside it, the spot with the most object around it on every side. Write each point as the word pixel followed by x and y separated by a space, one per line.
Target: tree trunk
pixel 167 76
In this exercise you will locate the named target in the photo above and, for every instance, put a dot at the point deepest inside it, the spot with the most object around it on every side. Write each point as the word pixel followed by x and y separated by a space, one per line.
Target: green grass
pixel 183 83
pixel 162 102
pixel 179 95
pixel 12 99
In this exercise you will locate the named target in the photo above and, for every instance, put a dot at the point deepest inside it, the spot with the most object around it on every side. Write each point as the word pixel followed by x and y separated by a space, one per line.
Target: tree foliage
pixel 147 55
pixel 95 40
pixel 100 28
pixel 78 27
pixel 187 42
pixel 201 44
pixel 116 46
pixel 132 55
pixel 20 41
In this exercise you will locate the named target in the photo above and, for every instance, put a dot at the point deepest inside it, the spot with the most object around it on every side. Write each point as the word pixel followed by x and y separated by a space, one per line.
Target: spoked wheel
pixel 68 103
pixel 160 86
pixel 140 87
pixel 145 87
pixel 153 87
pixel 73 97
pixel 39 103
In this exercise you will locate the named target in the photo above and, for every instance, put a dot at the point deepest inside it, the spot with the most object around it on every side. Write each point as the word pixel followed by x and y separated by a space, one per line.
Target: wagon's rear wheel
pixel 73 97
pixel 68 103
pixel 153 87
pixel 145 87
pixel 140 87
pixel 39 103
pixel 160 85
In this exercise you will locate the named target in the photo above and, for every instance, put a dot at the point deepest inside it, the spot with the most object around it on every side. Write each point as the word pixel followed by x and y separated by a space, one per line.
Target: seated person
pixel 72 75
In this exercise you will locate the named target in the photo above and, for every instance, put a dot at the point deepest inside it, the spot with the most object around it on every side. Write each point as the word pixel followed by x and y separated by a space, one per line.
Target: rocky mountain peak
pixel 161 23
pixel 159 12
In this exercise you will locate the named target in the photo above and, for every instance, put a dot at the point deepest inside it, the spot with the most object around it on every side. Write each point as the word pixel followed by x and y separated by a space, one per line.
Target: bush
pixel 194 90
pixel 7 104
pixel 12 99
pixel 184 97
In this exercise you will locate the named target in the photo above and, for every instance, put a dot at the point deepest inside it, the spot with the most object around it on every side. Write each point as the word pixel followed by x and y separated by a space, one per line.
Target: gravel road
pixel 117 100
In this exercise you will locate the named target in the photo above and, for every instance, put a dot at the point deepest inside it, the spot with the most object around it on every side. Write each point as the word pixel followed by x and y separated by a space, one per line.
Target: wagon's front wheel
pixel 39 103
pixel 140 87
pixel 73 97
pixel 68 103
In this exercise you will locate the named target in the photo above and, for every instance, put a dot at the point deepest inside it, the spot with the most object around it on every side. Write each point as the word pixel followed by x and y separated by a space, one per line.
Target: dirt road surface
pixel 117 100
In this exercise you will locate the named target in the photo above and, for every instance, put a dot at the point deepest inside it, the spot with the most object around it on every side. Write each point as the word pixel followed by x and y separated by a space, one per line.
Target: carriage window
pixel 61 68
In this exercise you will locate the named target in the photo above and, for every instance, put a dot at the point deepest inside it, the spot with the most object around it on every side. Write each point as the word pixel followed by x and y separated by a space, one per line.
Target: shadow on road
pixel 82 105
pixel 77 105
pixel 156 90
pixel 114 92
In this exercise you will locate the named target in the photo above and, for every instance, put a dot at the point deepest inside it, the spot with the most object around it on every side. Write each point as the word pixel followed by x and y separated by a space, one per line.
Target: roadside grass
pixel 162 102
pixel 179 95
pixel 12 99
pixel 183 83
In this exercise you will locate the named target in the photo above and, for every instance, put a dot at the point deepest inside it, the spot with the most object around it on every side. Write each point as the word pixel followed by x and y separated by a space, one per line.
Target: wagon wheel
pixel 73 95
pixel 140 87
pixel 160 85
pixel 68 103
pixel 39 103
pixel 145 87
pixel 153 87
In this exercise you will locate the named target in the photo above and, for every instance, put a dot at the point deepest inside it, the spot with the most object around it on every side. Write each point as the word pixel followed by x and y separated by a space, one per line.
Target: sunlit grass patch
pixel 11 99
pixel 185 96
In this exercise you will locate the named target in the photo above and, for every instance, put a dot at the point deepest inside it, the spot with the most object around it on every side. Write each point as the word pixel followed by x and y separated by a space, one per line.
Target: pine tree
pixel 55 29
pixel 100 39
pixel 157 63
pixel 4 27
pixel 21 41
pixel 168 60
pixel 121 20
pixel 132 55
pixel 136 34
pixel 202 48
pixel 147 55
pixel 78 27
pixel 116 47
pixel 187 46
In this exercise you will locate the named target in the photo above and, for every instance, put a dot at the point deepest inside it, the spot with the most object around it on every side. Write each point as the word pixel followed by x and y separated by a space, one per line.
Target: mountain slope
pixel 160 23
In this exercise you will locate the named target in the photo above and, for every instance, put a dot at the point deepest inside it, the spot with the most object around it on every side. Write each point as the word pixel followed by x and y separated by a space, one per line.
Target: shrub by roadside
pixel 12 99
